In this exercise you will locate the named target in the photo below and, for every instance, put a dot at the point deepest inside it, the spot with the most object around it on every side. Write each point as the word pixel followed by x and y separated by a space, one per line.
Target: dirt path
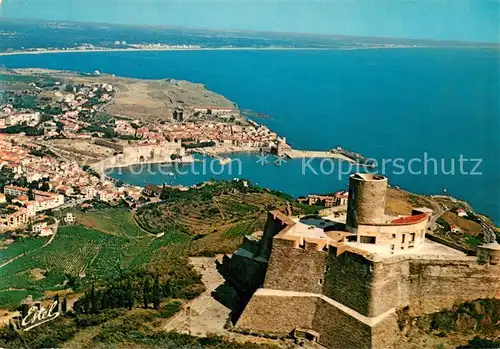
pixel 218 206
pixel 11 260
pixel 204 314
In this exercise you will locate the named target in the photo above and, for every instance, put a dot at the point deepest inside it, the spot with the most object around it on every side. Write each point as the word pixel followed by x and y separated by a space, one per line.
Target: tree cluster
pixel 28 130
pixel 141 288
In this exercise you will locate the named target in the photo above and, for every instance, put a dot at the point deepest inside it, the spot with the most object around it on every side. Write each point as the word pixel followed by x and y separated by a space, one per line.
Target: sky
pixel 462 20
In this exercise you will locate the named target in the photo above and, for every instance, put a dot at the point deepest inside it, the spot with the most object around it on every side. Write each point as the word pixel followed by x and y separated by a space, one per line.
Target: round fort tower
pixel 367 198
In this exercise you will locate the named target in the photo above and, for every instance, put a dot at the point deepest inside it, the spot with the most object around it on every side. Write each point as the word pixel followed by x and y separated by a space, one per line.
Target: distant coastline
pixel 13 53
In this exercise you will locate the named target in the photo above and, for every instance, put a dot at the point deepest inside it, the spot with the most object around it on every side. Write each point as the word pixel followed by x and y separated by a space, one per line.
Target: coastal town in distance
pixel 90 260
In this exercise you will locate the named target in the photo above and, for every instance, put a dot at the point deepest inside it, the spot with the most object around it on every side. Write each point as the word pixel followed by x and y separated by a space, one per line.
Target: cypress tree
pixel 156 293
pixel 23 309
pixel 166 289
pixel 100 298
pixel 78 306
pixel 94 307
pixel 146 293
pixel 130 295
pixel 64 305
pixel 111 298
pixel 86 304
pixel 105 300
pixel 56 299
pixel 120 297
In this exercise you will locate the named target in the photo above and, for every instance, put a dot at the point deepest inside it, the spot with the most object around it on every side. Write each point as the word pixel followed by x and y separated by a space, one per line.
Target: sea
pixel 428 117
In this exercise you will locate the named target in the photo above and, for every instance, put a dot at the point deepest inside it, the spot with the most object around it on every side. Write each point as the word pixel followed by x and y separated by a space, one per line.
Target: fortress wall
pixel 295 269
pixel 274 225
pixel 339 330
pixel 389 288
pixel 489 253
pixel 372 289
pixel 425 285
pixel 348 280
pixel 385 334
pixel 247 273
pixel 148 152
pixel 281 312
pixel 437 285
pixel 108 144
pixel 429 286
pixel 277 315
pixel 152 152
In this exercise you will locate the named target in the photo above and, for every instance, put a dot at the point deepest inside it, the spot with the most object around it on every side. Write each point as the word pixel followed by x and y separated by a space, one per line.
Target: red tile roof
pixel 409 219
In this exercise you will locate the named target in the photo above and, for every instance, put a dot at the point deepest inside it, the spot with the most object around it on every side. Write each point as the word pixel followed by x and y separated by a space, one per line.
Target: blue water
pixel 286 176
pixel 382 103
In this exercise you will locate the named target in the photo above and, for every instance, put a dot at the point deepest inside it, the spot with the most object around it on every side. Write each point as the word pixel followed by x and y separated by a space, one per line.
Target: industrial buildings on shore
pixel 343 282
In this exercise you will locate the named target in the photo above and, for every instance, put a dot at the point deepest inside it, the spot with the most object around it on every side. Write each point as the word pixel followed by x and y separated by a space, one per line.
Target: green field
pixel 26 79
pixel 243 228
pixel 15 297
pixel 8 251
pixel 113 221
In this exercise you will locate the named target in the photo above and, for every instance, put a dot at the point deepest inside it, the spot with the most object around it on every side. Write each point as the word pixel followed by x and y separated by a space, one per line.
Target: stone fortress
pixel 127 155
pixel 343 282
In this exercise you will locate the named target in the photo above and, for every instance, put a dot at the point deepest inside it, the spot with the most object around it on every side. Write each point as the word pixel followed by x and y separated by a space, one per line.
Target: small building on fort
pixel 341 281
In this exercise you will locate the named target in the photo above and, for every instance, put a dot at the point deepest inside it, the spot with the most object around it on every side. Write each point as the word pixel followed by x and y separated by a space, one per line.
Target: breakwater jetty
pixel 339 154
pixel 297 154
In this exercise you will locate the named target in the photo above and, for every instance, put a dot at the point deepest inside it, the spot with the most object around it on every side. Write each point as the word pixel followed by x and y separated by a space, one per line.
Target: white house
pixel 38 227
pixel 89 192
pixel 70 218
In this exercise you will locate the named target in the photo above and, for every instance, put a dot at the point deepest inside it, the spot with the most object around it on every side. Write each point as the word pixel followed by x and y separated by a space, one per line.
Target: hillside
pixel 216 216
pixel 473 324
pixel 209 220
pixel 147 100
pixel 109 250
pixel 108 241
pixel 401 202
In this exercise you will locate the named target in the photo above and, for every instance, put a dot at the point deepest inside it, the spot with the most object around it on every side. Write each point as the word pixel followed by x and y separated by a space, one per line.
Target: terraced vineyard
pixel 217 216
pixel 243 228
pixel 205 210
pixel 81 246
pixel 114 221
pixel 84 254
